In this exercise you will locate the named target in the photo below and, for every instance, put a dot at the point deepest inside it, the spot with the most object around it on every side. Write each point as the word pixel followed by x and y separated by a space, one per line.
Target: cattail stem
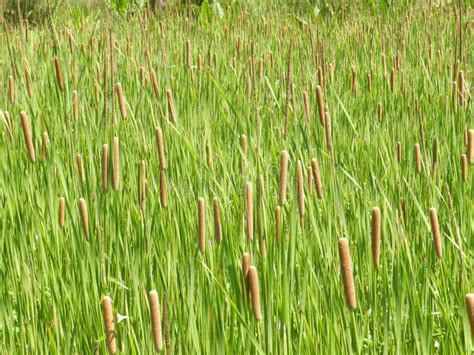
pixel 244 146
pixel 327 131
pixel 154 82
pixel 217 221
pixel 245 269
pixel 80 168
pixel 105 166
pixel 399 152
pixel 163 196
pixel 306 105
pixel 161 148
pixel 75 105
pixel 121 101
pixel 464 168
pixel 321 107
pixel 27 135
pixel 155 314
pixel 317 178
pixel 283 176
pixel 84 217
pixel 201 225
pixel 116 164
pixel 108 318
pixel 249 210
pixel 469 299
pixel 346 273
pixel 44 145
pixel 376 231
pixel 11 89
pixel 62 212
pixel 252 277
pixel 300 188
pixel 171 107
pixel 436 233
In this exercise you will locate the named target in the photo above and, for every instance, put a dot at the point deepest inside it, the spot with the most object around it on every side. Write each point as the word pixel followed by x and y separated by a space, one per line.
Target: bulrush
pixel 317 178
pixel 62 212
pixel 171 108
pixel 244 147
pixel 469 299
pixel 249 210
pixel 217 221
pixel 154 83
pixel 108 318
pixel 163 196
pixel 309 172
pixel 246 259
pixel 346 273
pixel 283 177
pixel 436 235
pixel 399 152
pixel 105 166
pixel 154 304
pixel 80 168
pixel 59 73
pixel 75 105
pixel 121 101
pixel 116 164
pixel 252 277
pixel 464 168
pixel 27 135
pixel 321 107
pixel 29 88
pixel 369 82
pixel 470 146
pixel 435 156
pixel 376 228
pixel 417 158
pixel 161 148
pixel 11 89
pixel 84 217
pixel 379 111
pixel 201 225
pixel 278 225
pixel 462 90
pixel 300 188
pixel 306 105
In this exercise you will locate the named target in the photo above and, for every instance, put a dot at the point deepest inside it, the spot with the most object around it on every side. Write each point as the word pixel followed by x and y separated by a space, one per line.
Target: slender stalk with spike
pixel 469 300
pixel 317 178
pixel 376 232
pixel 246 260
pixel 171 107
pixel 321 107
pixel 470 146
pixel 300 188
pixel 327 131
pixel 109 326
pixel 163 195
pixel 249 210
pixel 399 152
pixel 75 105
pixel 44 145
pixel 306 105
pixel 155 314
pixel 436 234
pixel 417 158
pixel 116 164
pixel 105 166
pixel 11 89
pixel 154 82
pixel 217 221
pixel 201 225
pixel 283 177
pixel 84 217
pixel 62 212
pixel 252 277
pixel 278 225
pixel 244 147
pixel 80 168
pixel 346 273
pixel 161 148
pixel 27 135
pixel 121 101
pixel 59 73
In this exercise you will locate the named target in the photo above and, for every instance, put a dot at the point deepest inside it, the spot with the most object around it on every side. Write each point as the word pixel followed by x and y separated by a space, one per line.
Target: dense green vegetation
pixel 232 71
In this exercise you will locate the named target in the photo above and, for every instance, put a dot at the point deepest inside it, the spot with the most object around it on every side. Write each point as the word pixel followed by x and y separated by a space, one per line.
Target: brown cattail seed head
pixel 469 299
pixel 252 277
pixel 11 88
pixel 464 168
pixel 108 318
pixel 376 227
pixel 59 74
pixel 27 135
pixel 116 164
pixel 321 107
pixel 317 178
pixel 283 176
pixel 161 148
pixel 306 105
pixel 245 267
pixel 121 101
pixel 417 158
pixel 155 314
pixel 84 217
pixel 154 82
pixel 201 225
pixel 249 210
pixel 399 152
pixel 300 188
pixel 244 146
pixel 62 212
pixel 470 146
pixel 436 235
pixel 171 107
pixel 346 273
pixel 217 221
pixel 105 166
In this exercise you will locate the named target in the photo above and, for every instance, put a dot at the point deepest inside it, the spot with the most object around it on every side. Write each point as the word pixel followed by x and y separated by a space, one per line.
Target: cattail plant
pixel 354 81
pixel 469 299
pixel 201 225
pixel 80 168
pixel 379 111
pixel 249 210
pixel 399 152
pixel 376 228
pixel 11 89
pixel 244 147
pixel 84 217
pixel 317 178
pixel 44 145
pixel 75 105
pixel 154 304
pixel 470 146
pixel 161 148
pixel 59 73
pixel 464 168
pixel 436 233
pixel 283 176
pixel 321 107
pixel 346 273
pixel 306 105
pixel 154 83
pixel 252 277
pixel 27 135
pixel 62 212
pixel 417 158
pixel 171 107
pixel 116 164
pixel 462 90
pixel 29 87
pixel 300 188
pixel 435 156
pixel 163 196
pixel 369 82
pixel 217 221
pixel 121 101
pixel 108 318
pixel 455 95
pixel 327 131
pixel 188 54
pixel 105 166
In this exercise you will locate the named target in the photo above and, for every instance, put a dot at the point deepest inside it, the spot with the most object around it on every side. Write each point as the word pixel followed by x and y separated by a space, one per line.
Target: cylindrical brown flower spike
pixel 252 277
pixel 62 212
pixel 245 268
pixel 121 101
pixel 171 108
pixel 436 234
pixel 469 299
pixel 84 217
pixel 108 318
pixel 283 177
pixel 201 225
pixel 417 158
pixel 244 146
pixel 27 135
pixel 464 168
pixel 116 164
pixel 217 221
pixel 379 111
pixel 11 88
pixel 163 196
pixel 399 152
pixel 59 74
pixel 105 166
pixel 249 210
pixel 346 273
pixel 155 314
pixel 75 105
pixel 321 107
pixel 376 231
pixel 306 105
pixel 154 81
pixel 161 148
pixel 470 146
pixel 300 188
pixel 317 178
